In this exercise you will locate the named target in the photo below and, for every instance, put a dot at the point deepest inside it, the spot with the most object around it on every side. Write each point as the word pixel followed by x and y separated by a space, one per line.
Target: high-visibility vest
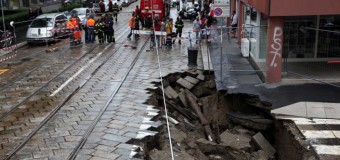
pixel 70 25
pixel 90 23
pixel 132 22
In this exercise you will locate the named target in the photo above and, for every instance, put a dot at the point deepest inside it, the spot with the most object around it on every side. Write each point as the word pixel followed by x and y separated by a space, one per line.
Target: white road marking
pixel 319 134
pixel 81 70
pixel 326 149
pixel 314 121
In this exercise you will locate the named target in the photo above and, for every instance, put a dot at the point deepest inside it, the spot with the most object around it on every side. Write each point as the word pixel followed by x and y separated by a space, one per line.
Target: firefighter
pixel 179 28
pixel 147 19
pixel 90 29
pixel 115 10
pixel 99 30
pixel 109 29
pixel 137 20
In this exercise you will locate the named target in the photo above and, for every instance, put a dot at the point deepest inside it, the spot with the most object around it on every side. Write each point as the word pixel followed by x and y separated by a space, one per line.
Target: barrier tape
pixel 9 48
pixel 7 57
pixel 9 38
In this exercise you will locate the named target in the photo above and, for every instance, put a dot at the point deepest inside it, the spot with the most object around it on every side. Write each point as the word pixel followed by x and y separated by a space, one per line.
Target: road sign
pixel 218 11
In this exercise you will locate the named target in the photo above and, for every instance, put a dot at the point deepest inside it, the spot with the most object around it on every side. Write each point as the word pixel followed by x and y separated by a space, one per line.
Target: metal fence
pixel 312 54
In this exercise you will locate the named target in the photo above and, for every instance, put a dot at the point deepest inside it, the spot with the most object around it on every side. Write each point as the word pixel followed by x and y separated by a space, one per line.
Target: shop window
pixel 329 36
pixel 299 39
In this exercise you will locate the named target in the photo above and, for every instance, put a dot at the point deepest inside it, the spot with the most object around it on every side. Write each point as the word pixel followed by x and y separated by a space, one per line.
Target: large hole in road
pixel 207 124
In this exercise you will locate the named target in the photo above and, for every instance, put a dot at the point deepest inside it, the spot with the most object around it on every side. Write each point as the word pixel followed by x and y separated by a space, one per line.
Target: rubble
pixel 200 127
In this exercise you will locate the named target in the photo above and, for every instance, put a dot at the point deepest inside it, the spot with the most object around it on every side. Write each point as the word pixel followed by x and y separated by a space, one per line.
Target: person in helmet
pixel 147 18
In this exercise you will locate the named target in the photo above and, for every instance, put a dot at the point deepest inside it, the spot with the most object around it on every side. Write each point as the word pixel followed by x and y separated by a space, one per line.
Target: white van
pixel 47 27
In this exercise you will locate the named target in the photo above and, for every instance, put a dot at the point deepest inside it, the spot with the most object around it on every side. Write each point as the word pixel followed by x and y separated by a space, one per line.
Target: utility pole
pixel 3 16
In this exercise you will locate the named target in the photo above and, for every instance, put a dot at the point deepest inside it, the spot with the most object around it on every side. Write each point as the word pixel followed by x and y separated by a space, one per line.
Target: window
pixel 44 22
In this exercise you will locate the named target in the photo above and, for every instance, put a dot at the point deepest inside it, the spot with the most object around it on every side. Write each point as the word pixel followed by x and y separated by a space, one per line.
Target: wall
pixel 304 7
pixel 259 5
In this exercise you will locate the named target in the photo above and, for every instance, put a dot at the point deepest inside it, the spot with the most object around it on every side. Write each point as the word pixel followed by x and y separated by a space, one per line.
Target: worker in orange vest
pixel 131 24
pixel 90 29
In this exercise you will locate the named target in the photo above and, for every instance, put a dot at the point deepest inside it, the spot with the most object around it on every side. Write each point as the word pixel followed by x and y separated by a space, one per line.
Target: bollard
pixel 192 56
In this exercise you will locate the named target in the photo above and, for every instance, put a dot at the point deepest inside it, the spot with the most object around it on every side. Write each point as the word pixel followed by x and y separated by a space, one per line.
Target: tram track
pixel 46 118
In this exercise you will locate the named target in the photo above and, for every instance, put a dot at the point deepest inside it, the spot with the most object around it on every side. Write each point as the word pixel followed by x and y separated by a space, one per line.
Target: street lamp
pixel 15 36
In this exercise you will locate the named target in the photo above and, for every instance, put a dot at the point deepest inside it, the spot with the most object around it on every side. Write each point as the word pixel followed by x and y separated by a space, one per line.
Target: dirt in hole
pixel 209 125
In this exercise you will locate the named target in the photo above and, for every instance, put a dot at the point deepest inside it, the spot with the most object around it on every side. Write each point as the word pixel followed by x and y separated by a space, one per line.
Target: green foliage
pixel 69 7
pixel 17 17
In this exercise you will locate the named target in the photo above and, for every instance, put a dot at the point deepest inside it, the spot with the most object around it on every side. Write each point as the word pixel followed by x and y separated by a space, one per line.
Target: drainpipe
pixel 3 16
pixel 269 2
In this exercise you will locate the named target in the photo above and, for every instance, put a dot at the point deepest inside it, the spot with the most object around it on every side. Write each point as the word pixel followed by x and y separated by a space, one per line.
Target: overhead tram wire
pixel 163 94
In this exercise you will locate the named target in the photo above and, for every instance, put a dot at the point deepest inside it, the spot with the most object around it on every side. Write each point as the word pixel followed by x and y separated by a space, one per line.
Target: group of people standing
pixel 101 27
pixel 148 21
pixel 32 14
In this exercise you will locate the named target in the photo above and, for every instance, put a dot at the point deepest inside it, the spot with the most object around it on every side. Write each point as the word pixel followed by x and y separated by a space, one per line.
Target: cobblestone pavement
pixel 127 116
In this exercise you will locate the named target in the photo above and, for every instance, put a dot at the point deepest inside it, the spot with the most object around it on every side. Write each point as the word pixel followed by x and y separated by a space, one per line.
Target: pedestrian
pixel 158 26
pixel 102 7
pixel 71 29
pixel 179 28
pixel 84 23
pixel 163 36
pixel 168 29
pixel 110 6
pixel 90 29
pixel 138 11
pixel 38 11
pixel 197 28
pixel 115 10
pixel 233 24
pixel 31 14
pixel 99 30
pixel 178 4
pixel 109 29
pixel 131 25
pixel 90 4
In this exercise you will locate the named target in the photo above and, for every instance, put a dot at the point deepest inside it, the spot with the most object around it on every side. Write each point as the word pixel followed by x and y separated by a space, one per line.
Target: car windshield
pixel 44 22
pixel 79 11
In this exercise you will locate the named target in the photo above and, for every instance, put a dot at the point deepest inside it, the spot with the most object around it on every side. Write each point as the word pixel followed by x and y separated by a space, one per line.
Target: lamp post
pixel 15 36
pixel 3 16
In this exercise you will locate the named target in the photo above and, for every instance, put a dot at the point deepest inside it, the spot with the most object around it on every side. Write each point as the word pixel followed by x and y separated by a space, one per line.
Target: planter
pixel 192 56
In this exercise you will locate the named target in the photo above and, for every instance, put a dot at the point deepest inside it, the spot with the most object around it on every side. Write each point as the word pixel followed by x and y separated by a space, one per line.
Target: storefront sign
pixel 221 2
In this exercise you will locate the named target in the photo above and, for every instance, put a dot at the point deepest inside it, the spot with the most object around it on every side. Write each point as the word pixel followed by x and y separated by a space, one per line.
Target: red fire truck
pixel 161 8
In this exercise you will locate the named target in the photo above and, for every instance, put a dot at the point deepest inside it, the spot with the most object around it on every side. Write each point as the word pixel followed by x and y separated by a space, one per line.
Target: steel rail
pixel 6 114
pixel 54 111
pixel 89 130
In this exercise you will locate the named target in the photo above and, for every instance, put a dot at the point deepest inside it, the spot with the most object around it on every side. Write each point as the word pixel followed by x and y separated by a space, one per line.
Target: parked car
pixel 47 27
pixel 81 13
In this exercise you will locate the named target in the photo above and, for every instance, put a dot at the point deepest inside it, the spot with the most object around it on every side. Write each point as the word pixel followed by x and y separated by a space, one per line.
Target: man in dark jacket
pixel 115 10
pixel 109 29
pixel 102 7
pixel 99 30
pixel 179 28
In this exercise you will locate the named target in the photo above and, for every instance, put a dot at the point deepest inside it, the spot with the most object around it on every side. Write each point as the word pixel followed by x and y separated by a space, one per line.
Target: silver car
pixel 47 27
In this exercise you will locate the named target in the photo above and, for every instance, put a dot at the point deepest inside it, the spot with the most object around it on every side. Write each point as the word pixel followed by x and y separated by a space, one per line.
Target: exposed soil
pixel 205 129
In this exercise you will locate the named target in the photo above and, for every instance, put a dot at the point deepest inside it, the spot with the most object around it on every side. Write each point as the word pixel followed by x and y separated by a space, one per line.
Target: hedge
pixel 23 14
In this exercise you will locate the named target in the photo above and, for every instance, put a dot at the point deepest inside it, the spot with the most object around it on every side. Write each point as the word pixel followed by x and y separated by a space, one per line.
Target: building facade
pixel 25 4
pixel 300 30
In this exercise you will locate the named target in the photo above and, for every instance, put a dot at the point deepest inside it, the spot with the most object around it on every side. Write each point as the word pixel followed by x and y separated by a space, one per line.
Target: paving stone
pixel 22 156
pixel 125 146
pixel 200 77
pixel 90 145
pixel 264 144
pixel 62 151
pixel 48 147
pixel 86 151
pixel 116 126
pixel 72 138
pixel 103 154
pixel 68 145
pixel 170 92
pixel 130 134
pixel 185 83
pixel 83 157
pixel 42 154
pixel 108 143
pixel 191 80
pixel 116 138
pixel 105 148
